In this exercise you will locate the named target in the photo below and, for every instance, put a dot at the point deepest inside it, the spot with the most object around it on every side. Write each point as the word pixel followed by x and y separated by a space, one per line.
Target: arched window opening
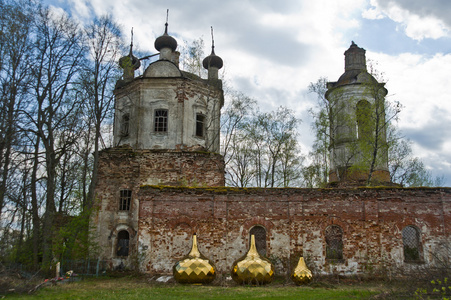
pixel 334 242
pixel 125 200
pixel 363 118
pixel 125 125
pixel 161 120
pixel 411 242
pixel 259 233
pixel 123 241
pixel 200 125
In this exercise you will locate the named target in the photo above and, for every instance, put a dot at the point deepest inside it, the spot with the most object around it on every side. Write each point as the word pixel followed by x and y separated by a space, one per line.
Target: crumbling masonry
pixel 164 181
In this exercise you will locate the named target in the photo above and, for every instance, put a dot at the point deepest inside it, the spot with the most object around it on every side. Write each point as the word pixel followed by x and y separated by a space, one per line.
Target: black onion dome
pixel 212 61
pixel 165 41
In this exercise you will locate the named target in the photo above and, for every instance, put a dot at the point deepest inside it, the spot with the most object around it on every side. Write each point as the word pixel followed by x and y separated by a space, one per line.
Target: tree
pixel 57 58
pixel 238 154
pixel 192 56
pixel 376 137
pixel 275 136
pixel 373 120
pixel 99 77
pixel 260 148
pixel 405 168
pixel 15 45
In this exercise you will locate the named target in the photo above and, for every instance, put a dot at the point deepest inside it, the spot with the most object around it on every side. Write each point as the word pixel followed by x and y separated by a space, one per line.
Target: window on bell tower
pixel 200 125
pixel 161 120
pixel 125 124
pixel 363 118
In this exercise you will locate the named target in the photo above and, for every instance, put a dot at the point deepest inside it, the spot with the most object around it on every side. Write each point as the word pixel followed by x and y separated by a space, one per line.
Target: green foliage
pixel 192 55
pixel 74 239
pixel 438 289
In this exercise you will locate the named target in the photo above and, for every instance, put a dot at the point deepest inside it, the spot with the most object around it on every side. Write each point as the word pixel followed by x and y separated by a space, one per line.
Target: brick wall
pixel 372 220
pixel 124 168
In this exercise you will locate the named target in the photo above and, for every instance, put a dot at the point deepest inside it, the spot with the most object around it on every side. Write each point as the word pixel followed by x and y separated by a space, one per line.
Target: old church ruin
pixel 164 181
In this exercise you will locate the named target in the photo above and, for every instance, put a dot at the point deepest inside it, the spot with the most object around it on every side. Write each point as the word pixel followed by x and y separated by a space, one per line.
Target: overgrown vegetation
pixel 142 288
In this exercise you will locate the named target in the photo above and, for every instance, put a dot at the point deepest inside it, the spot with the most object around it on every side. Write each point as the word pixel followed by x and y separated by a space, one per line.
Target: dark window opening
pixel 125 200
pixel 363 118
pixel 411 242
pixel 200 123
pixel 259 233
pixel 161 120
pixel 334 242
pixel 125 124
pixel 123 241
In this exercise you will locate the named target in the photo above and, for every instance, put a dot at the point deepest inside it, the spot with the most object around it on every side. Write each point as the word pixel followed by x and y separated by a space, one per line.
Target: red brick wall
pixel 295 219
pixel 125 168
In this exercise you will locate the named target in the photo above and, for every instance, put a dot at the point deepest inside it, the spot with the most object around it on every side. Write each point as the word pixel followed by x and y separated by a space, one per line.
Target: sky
pixel 272 50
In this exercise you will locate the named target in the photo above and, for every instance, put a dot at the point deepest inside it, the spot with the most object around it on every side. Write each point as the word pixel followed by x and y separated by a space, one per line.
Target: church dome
pixel 129 61
pixel 212 60
pixel 165 41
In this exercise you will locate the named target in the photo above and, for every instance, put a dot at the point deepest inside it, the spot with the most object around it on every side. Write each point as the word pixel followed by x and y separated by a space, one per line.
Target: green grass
pixel 132 288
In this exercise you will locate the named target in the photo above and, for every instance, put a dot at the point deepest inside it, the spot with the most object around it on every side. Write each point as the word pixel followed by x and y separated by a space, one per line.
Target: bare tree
pixel 58 54
pixel 15 46
pixel 99 77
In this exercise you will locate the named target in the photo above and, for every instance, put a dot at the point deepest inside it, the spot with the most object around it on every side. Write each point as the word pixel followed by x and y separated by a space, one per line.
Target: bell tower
pixel 358 146
pixel 167 108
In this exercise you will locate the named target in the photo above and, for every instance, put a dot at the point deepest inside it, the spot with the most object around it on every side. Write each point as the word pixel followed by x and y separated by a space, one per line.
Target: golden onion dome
pixel 252 268
pixel 301 274
pixel 194 267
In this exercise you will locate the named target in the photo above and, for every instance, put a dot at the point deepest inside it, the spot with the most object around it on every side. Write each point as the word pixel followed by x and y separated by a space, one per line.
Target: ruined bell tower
pixel 167 108
pixel 166 133
pixel 358 151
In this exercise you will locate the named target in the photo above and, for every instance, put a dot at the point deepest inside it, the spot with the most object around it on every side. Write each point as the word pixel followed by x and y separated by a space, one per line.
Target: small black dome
pixel 165 41
pixel 212 61
pixel 129 61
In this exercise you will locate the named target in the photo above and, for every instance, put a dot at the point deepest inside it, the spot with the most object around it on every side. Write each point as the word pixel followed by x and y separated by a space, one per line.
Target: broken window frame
pixel 411 244
pixel 125 200
pixel 334 243
pixel 200 125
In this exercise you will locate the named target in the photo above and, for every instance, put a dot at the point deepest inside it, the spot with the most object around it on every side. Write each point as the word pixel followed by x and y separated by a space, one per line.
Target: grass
pixel 139 288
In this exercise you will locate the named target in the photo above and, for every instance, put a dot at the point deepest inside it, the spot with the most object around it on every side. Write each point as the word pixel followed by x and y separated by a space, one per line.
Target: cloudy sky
pixel 272 50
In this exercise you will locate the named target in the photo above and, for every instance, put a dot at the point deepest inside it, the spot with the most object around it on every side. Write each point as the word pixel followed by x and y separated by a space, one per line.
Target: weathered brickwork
pixel 124 168
pixel 372 220
pixel 164 182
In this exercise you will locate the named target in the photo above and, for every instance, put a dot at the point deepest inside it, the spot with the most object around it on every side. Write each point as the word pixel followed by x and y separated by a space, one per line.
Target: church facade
pixel 164 181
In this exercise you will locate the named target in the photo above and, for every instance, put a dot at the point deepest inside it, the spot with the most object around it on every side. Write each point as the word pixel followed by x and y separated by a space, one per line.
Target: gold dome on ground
pixel 252 268
pixel 194 267
pixel 301 274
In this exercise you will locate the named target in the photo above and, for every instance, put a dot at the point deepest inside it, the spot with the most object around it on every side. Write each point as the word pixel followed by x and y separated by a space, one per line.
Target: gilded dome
pixel 194 267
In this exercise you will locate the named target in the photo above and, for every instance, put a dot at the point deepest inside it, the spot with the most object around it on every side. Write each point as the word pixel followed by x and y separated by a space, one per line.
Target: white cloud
pixel 415 26
pixel 273 50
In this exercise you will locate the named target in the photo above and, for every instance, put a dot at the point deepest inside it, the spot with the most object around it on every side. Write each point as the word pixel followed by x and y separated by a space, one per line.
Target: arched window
pixel 411 242
pixel 260 238
pixel 334 242
pixel 125 124
pixel 363 118
pixel 123 241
